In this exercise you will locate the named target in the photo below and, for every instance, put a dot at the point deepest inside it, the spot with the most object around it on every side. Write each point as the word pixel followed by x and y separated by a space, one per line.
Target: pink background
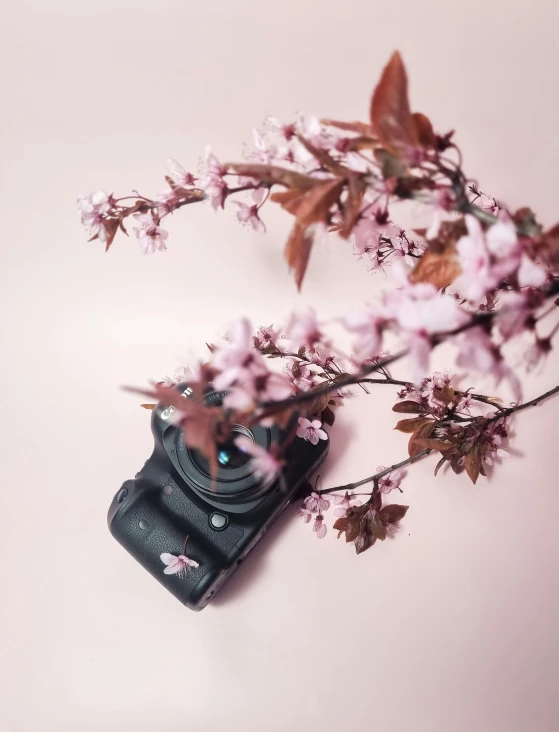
pixel 451 627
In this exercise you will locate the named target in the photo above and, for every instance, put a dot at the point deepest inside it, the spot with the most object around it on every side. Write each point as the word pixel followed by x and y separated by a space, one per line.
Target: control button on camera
pixel 218 521
pixel 143 524
pixel 121 495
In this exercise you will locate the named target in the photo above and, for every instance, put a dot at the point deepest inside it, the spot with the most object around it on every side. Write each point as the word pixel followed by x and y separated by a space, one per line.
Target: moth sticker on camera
pixel 222 515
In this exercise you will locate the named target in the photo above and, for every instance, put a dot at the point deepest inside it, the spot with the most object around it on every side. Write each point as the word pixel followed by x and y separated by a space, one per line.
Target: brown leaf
pixel 352 205
pixel 392 513
pixel 340 525
pixel 361 128
pixel 148 406
pixel 439 465
pixel 423 443
pixel 439 269
pixel 353 529
pixel 328 416
pixel 472 463
pixel 424 130
pixel 289 200
pixel 111 225
pixel 409 407
pixel 376 529
pixel 376 502
pixel 414 448
pixel 410 425
pixel 363 542
pixel 444 395
pixel 297 252
pixel 272 174
pixel 315 204
pixel 325 159
pixel 319 404
pixel 390 110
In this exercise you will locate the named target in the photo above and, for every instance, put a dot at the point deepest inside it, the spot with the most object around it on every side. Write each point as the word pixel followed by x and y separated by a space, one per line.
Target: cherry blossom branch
pixel 504 413
pixel 377 476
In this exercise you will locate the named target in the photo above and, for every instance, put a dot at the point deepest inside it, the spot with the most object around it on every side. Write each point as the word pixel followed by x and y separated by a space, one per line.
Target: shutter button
pixel 218 521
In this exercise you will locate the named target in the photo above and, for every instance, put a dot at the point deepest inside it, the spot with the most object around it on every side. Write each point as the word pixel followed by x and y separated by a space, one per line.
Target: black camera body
pixel 174 497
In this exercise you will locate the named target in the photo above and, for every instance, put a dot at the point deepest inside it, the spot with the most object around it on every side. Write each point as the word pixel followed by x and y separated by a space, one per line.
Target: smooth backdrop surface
pixel 453 626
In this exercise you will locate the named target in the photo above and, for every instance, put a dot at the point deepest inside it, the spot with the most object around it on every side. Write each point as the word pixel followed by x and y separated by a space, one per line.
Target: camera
pixel 175 507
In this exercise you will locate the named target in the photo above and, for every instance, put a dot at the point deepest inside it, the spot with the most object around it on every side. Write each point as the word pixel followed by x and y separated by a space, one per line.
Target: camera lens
pixel 228 455
pixel 234 481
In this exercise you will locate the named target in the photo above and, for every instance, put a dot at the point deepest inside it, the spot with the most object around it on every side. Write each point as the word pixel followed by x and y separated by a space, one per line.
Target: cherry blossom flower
pixel 266 336
pixel 536 354
pixel 310 431
pixel 178 174
pixel 320 356
pixel 345 502
pixel 305 514
pixel 93 208
pixel 530 274
pixel 391 481
pixel 300 374
pixel 366 323
pixel 286 131
pixel 177 378
pixel 302 329
pixel 249 215
pixel 263 464
pixel 476 278
pixel 477 351
pixel 443 201
pixel 166 201
pixel 263 152
pixel 149 234
pixel 177 565
pixel 316 503
pixel 373 224
pixel 238 360
pixel 213 183
pixel 319 527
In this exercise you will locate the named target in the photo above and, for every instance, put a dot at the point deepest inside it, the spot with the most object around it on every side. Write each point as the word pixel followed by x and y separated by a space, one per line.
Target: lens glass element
pixel 228 454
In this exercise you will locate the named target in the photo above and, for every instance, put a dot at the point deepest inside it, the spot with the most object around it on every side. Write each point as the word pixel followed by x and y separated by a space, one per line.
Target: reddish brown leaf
pixel 409 407
pixel 148 406
pixel 439 465
pixel 352 205
pixel 111 225
pixel 319 404
pixel 439 269
pixel 410 425
pixel 444 395
pixel 340 525
pixel 297 252
pixel 423 443
pixel 424 130
pixel 272 174
pixel 472 463
pixel 392 513
pixel 390 110
pixel 328 416
pixel 288 200
pixel 353 529
pixel 325 159
pixel 315 204
pixel 376 529
pixel 414 446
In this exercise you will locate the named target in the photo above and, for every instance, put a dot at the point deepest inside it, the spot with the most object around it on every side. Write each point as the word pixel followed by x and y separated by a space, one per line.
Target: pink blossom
pixel 477 351
pixel 373 224
pixel 213 183
pixel 366 323
pixel 238 360
pixel 286 131
pixel 177 378
pixel 300 374
pixel 316 503
pixel 443 202
pixel 536 354
pixel 264 465
pixel 305 514
pixel 320 356
pixel 178 174
pixel 177 565
pixel 302 329
pixel 511 318
pixel 266 336
pixel 476 278
pixel 167 201
pixel 530 274
pixel 391 481
pixel 319 527
pixel 263 152
pixel 93 208
pixel 150 236
pixel 344 502
pixel 310 431
pixel 249 215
